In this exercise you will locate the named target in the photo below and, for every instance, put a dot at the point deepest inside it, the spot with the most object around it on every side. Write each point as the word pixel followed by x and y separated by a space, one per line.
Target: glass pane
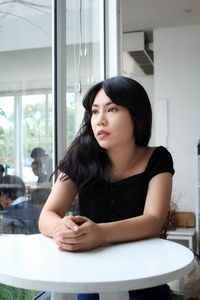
pixel 37 116
pixel 26 112
pixel 70 116
pixel 6 134
pixel 85 55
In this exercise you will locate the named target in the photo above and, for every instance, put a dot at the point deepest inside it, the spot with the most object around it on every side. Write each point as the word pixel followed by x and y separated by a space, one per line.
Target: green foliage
pixel 35 129
pixel 38 126
pixel 6 138
pixel 12 293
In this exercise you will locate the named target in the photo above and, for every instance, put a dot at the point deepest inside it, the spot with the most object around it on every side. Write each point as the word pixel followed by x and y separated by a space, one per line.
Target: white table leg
pixel 181 285
pixel 61 296
pixel 114 296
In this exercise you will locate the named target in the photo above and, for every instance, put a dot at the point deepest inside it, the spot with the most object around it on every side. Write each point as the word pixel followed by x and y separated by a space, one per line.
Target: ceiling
pixel 146 15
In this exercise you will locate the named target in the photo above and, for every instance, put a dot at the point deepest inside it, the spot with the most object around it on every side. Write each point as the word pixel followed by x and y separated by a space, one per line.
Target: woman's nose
pixel 101 119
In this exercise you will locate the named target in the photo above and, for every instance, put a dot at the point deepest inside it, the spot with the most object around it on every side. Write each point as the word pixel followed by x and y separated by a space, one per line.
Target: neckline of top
pixel 137 174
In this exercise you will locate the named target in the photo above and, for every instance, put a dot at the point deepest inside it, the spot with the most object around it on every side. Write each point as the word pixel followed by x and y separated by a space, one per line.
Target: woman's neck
pixel 126 161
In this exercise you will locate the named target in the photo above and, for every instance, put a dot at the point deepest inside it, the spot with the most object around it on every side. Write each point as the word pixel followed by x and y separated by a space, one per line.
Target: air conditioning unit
pixel 138 46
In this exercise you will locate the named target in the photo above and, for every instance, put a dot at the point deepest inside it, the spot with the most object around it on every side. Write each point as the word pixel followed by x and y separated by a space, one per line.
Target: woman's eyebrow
pixel 107 104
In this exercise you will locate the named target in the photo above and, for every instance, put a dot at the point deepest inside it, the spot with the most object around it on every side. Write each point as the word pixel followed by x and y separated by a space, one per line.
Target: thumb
pixel 79 220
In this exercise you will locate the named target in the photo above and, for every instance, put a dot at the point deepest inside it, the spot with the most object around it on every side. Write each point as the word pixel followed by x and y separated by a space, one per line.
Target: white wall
pixel 177 74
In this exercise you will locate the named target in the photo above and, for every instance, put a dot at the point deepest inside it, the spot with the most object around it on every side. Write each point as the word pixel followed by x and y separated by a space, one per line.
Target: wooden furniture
pixel 185 219
pixel 34 262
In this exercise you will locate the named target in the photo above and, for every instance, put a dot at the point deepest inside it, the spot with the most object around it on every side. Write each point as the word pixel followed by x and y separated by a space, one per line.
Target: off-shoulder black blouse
pixel 113 201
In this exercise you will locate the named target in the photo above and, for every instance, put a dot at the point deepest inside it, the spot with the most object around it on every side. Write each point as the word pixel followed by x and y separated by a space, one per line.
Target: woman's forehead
pixel 101 98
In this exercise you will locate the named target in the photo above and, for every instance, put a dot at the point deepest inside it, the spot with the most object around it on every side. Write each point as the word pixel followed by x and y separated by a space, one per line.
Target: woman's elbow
pixel 156 226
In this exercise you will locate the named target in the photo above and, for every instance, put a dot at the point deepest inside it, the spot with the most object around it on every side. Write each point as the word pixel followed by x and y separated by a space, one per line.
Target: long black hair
pixel 85 162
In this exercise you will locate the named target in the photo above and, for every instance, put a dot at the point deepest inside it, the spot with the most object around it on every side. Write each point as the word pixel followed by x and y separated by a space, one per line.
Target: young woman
pixel 123 185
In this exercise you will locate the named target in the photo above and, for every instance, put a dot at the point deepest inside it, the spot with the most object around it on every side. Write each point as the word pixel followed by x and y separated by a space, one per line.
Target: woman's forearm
pixel 131 229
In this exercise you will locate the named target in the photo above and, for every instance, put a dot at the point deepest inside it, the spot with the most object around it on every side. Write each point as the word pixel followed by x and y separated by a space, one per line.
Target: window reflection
pixel 26 109
pixel 7 133
pixel 19 215
pixel 38 128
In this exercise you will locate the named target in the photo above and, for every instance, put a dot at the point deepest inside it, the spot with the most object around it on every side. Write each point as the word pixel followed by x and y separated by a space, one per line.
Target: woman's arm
pixel 52 217
pixel 150 223
pixel 90 235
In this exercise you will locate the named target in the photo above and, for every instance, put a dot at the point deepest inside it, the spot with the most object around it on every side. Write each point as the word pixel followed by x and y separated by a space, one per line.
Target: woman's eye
pixel 112 109
pixel 94 111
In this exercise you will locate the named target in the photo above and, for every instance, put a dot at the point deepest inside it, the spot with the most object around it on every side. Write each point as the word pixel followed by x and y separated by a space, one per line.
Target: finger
pixel 71 247
pixel 65 243
pixel 71 224
pixel 79 220
pixel 67 235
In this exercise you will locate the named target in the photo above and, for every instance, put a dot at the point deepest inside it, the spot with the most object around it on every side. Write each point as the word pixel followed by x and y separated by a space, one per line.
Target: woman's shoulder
pixel 161 151
pixel 160 161
pixel 155 153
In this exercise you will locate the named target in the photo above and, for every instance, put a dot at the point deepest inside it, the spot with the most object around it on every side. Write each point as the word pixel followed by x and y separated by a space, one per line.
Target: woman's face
pixel 111 123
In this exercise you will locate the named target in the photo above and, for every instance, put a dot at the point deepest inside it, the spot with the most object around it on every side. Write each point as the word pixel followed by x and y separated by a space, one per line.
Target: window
pixel 26 111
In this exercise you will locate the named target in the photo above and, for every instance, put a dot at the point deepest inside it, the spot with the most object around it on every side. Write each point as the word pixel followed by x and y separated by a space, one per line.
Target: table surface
pixel 34 262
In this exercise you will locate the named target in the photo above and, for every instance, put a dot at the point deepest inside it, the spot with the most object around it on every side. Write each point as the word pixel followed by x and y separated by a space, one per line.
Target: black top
pixel 113 201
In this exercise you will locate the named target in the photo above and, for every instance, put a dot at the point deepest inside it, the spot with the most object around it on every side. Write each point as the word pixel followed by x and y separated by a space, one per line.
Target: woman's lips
pixel 102 134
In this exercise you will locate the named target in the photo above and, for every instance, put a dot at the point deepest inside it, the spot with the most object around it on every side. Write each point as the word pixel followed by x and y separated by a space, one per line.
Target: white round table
pixel 34 262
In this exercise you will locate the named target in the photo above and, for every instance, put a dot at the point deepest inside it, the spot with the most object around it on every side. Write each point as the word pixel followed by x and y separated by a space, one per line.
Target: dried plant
pixel 170 222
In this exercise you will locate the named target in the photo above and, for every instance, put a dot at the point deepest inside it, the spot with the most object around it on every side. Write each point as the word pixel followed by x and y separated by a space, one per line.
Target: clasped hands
pixel 77 233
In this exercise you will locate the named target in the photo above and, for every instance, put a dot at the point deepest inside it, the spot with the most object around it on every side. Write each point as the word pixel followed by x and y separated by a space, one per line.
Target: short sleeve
pixel 160 162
